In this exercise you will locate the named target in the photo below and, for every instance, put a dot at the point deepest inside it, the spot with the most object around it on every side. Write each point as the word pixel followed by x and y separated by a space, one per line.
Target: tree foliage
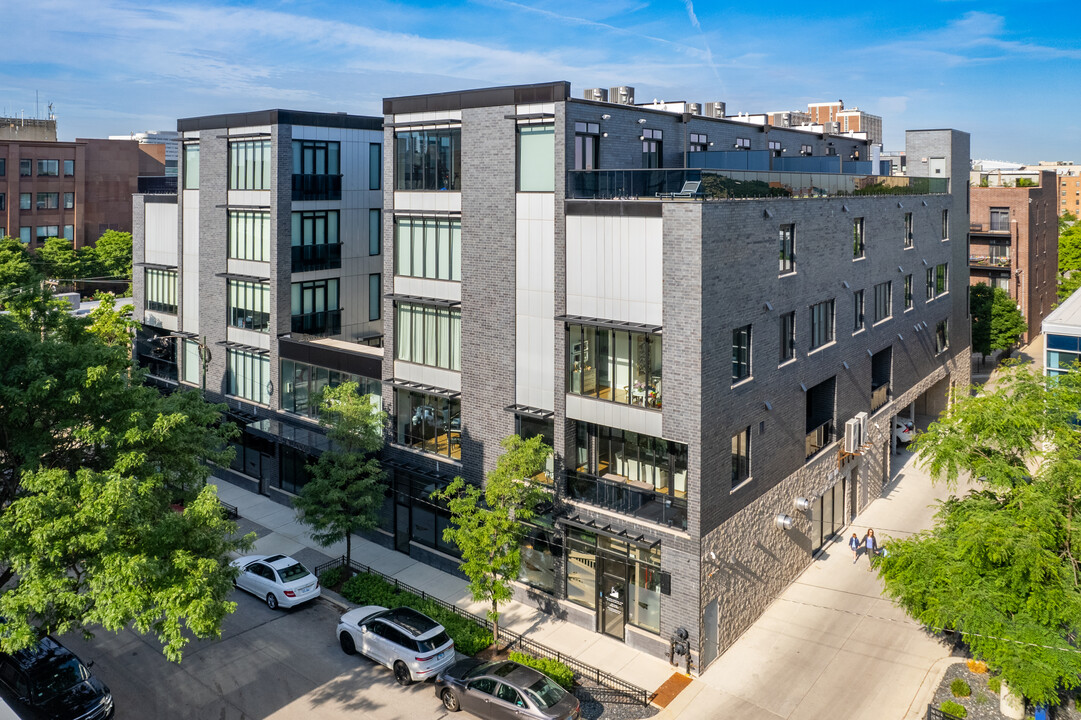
pixel 17 272
pixel 487 523
pixel 91 464
pixel 113 254
pixel 1007 322
pixel 345 493
pixel 1001 563
pixel 1069 257
pixel 979 300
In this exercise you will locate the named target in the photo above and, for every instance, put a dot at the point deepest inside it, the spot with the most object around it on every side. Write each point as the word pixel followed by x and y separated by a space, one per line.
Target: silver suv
pixel 411 643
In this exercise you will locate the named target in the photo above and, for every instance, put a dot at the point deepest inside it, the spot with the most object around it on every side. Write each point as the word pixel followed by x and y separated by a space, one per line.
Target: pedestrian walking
pixel 854 543
pixel 871 544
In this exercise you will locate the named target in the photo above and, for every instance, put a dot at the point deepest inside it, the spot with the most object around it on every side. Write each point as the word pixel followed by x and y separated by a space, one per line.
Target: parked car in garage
pixel 904 430
pixel 278 579
pixel 49 682
pixel 413 645
pixel 505 689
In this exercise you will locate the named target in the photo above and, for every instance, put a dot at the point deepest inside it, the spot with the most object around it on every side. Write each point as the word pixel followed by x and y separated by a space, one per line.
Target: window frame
pixel 787 237
pixel 587 142
pixel 909 232
pixel 859 308
pixel 883 309
pixel 787 329
pixel 741 458
pixel 823 330
pixel 741 353
pixel 859 241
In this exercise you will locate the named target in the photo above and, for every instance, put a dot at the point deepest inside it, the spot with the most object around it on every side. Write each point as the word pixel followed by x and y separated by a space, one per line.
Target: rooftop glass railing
pixel 739 184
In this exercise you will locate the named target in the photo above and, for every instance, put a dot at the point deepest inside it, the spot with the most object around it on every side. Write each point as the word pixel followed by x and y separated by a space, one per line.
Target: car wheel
pixel 401 673
pixel 271 601
pixel 348 646
pixel 450 700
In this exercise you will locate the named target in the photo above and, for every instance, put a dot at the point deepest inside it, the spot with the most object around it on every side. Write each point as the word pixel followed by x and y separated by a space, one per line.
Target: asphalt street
pixel 268 664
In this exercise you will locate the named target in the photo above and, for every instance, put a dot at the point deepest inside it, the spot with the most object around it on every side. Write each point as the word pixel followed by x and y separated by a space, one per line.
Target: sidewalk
pixel 280 532
pixel 831 645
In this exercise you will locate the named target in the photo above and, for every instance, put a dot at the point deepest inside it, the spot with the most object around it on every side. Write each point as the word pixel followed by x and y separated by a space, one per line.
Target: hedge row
pixel 552 668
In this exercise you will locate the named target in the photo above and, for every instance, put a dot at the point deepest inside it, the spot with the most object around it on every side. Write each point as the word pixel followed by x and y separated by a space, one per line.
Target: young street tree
pixel 979 301
pixel 1001 564
pixel 1007 322
pixel 91 462
pixel 346 491
pixel 487 524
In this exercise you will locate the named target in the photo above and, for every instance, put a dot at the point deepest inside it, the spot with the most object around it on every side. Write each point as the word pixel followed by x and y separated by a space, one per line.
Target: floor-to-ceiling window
pixel 430 423
pixel 428 159
pixel 616 365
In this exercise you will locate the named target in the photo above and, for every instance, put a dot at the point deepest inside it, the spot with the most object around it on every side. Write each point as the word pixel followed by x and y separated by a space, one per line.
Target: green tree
pixel 17 271
pixel 1007 322
pixel 346 491
pixel 1069 260
pixel 1065 220
pixel 487 524
pixel 979 301
pixel 1000 564
pixel 113 254
pixel 59 261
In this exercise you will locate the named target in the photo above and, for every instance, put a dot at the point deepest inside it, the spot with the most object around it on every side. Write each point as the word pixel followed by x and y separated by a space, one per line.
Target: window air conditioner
pixel 853 436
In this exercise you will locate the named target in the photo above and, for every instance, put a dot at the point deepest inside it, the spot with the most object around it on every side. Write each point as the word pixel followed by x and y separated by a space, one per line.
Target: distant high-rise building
pixel 169 138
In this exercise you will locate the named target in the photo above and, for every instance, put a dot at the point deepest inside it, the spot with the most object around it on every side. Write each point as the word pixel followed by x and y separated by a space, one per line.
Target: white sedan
pixel 903 429
pixel 278 579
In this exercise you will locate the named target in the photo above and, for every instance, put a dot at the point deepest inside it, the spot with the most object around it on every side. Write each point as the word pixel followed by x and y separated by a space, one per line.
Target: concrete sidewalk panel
pixel 275 544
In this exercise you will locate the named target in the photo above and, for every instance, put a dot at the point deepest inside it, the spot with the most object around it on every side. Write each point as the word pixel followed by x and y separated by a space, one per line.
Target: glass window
pixel 69 168
pixel 25 234
pixel 249 165
pixel 3 167
pixel 428 248
pixel 191 166
pixel 161 290
pixel 429 335
pixel 582 568
pixel 44 232
pixel 908 230
pixel 191 366
pixel 1000 219
pixel 69 200
pixel 586 146
pixel 857 310
pixel 883 300
pixel 249 305
pixel 625 367
pixel 536 158
pixel 430 423
pixel 858 247
pixel 48 168
pixel 26 167
pixel 942 335
pixel 645 602
pixel 3 202
pixel 316 157
pixel 375 299
pixel 26 201
pixel 741 456
pixel 930 283
pixel 741 353
pixel 249 235
pixel 541 553
pixel 652 149
pixel 942 279
pixel 315 307
pixel 908 292
pixel 69 232
pixel 788 336
pixel 821 324
pixel 293 475
pixel 48 201
pixel 375 166
pixel 946 224
pixel 375 232
pixel 428 159
pixel 788 248
pixel 247 375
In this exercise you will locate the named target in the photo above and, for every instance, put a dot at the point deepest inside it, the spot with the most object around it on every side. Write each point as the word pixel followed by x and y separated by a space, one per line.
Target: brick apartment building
pixel 1013 244
pixel 847 119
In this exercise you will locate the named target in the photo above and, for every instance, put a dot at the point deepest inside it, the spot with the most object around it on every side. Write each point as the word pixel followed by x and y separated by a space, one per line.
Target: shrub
pixel 960 688
pixel 951 708
pixel 552 668
pixel 977 667
pixel 331 578
pixel 994 684
pixel 365 589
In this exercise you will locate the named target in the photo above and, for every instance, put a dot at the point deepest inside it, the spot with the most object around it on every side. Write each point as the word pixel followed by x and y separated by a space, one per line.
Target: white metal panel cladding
pixel 160 233
pixel 534 376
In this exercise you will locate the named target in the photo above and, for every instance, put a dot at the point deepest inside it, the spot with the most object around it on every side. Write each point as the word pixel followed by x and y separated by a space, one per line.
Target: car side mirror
pixel 364 628
pixel 90 665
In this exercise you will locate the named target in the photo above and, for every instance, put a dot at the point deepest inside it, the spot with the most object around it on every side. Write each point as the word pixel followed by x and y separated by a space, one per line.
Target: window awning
pixel 246 278
pixel 530 412
pixel 441 302
pixel 240 346
pixel 610 324
pixel 155 266
pixel 591 525
pixel 426 389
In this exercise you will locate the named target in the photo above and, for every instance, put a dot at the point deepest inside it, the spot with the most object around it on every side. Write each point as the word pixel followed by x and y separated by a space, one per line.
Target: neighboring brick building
pixel 691 351
pixel 847 119
pixel 1014 244
pixel 75 190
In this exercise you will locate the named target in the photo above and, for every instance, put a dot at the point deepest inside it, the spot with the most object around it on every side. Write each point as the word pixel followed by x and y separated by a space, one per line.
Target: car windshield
pixel 434 642
pixel 294 572
pixel 482 669
pixel 56 678
pixel 545 693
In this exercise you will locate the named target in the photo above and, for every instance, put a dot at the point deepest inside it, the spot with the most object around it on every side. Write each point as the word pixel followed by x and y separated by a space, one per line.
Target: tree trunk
pixel 495 624
pixel 348 548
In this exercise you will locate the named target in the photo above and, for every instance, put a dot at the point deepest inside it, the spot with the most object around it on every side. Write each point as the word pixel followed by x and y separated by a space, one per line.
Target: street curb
pixel 337 600
pixel 918 709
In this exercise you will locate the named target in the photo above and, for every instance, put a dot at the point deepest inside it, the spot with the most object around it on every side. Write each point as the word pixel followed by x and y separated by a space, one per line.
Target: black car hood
pixel 76 701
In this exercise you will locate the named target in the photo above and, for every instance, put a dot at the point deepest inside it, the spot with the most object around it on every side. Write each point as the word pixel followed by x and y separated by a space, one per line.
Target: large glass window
pixel 616 365
pixel 428 159
pixel 590 555
pixel 788 249
pixel 883 300
pixel 582 568
pixel 26 167
pixel 428 248
pixel 69 168
pixel 429 335
pixel 315 307
pixel 249 305
pixel 315 240
pixel 161 290
pixel 536 158
pixel 430 423
pixel 821 324
pixel 190 364
pixel 249 235
pixel 48 201
pixel 541 553
pixel 69 200
pixel 48 168
pixel 191 166
pixel 587 138
pixel 652 149
pixel 248 375
pixel 316 157
pixel 375 166
pixel 301 384
pixel 621 456
pixel 1000 219
pixel 249 165
pixel 741 353
pixel 26 201
pixel 527 427
pixel 44 232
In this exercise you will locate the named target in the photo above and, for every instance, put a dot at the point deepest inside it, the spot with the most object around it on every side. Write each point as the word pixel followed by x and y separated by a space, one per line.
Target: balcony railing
pixel 879 396
pixel 995 226
pixel 157 185
pixel 328 322
pixel 739 184
pixel 317 257
pixel 989 260
pixel 317 187
pixel 819 438
pixel 637 499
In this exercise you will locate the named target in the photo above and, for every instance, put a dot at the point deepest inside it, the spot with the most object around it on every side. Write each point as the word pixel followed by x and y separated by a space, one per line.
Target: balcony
pixel 639 500
pixel 980 261
pixel 317 257
pixel 718 185
pixel 818 438
pixel 996 226
pixel 317 187
pixel 157 185
pixel 879 396
pixel 328 322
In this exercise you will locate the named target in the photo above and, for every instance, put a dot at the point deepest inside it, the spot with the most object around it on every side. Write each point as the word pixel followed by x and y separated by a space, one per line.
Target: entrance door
pixel 613 598
pixel 401 528
pixel 710 641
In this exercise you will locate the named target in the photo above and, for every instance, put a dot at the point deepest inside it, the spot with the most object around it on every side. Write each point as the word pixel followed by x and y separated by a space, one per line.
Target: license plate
pixel 307 589
pixel 440 655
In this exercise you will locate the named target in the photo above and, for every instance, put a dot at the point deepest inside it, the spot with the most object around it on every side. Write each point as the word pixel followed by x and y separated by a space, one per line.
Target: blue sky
pixel 1007 72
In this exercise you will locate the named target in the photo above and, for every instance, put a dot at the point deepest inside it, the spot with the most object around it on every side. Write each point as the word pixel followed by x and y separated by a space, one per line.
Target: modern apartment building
pixel 716 353
pixel 75 190
pixel 1014 243
pixel 259 280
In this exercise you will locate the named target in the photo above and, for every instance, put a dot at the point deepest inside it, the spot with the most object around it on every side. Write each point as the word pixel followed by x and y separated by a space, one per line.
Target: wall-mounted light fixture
pixel 604 134
pixel 802 504
pixel 606 116
pixel 784 522
pixel 641 121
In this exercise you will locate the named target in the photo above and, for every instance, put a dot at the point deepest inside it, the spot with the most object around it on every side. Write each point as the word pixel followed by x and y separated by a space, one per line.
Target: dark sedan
pixel 504 690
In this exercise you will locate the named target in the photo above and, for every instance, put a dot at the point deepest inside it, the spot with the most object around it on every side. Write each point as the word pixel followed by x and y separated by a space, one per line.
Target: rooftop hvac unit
pixel 714 110
pixel 598 94
pixel 694 108
pixel 853 436
pixel 862 417
pixel 624 95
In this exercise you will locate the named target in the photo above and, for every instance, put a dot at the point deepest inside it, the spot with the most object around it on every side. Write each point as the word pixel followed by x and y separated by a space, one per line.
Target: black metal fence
pixel 613 689
pixel 934 713
pixel 231 511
